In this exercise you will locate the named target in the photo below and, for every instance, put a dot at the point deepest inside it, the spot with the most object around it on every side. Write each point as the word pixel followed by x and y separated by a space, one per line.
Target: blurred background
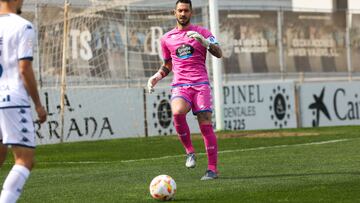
pixel 117 42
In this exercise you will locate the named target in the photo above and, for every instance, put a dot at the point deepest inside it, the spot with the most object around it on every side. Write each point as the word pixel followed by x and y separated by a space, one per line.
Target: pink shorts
pixel 198 96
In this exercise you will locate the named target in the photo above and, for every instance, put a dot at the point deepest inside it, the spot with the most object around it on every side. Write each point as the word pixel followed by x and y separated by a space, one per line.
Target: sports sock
pixel 210 145
pixel 14 183
pixel 183 131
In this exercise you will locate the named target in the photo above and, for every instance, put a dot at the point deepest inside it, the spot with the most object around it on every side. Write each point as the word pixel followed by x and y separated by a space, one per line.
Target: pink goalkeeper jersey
pixel 188 55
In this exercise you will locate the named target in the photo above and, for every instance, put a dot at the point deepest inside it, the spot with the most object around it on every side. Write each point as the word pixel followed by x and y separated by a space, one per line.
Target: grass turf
pixel 322 166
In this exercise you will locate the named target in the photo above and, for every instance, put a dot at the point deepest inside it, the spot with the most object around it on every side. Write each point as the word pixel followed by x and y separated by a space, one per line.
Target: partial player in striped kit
pixel 184 50
pixel 17 83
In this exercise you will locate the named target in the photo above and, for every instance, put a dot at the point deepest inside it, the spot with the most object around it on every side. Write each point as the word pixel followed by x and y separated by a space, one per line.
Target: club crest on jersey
pixel 185 51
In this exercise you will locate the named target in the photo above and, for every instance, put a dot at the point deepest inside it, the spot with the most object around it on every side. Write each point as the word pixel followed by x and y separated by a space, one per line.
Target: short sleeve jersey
pixel 188 55
pixel 16 43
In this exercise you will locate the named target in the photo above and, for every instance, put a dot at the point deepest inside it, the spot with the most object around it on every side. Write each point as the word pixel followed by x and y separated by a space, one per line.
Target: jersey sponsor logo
pixel 185 51
pixel 28 27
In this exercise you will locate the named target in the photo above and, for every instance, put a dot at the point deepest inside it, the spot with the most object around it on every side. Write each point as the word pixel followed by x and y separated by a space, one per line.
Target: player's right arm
pixel 164 70
pixel 28 77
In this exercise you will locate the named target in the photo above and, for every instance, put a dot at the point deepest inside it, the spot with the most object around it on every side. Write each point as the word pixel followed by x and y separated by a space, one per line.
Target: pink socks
pixel 208 134
pixel 211 145
pixel 183 131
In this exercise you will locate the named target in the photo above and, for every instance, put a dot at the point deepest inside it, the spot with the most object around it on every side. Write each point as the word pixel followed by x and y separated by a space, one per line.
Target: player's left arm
pixel 209 43
pixel 28 78
pixel 25 57
pixel 215 50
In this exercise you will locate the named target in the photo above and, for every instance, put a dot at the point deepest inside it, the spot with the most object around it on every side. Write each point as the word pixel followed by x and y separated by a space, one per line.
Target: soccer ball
pixel 163 187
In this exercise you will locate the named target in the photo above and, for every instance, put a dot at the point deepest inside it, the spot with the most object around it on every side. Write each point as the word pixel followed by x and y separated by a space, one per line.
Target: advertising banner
pixel 92 114
pixel 255 106
pixel 106 113
pixel 247 106
pixel 314 42
pixel 249 41
pixel 159 116
pixel 329 104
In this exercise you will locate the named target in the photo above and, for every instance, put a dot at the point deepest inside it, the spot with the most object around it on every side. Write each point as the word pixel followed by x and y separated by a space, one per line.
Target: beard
pixel 18 11
pixel 184 23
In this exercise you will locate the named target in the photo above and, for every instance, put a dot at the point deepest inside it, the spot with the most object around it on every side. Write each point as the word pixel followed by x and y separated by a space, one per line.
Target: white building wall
pixel 302 4
pixel 255 3
pixel 264 4
pixel 312 5
pixel 170 3
pixel 354 4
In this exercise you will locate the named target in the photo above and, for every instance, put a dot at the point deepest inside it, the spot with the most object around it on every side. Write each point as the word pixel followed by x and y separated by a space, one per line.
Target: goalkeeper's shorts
pixel 198 96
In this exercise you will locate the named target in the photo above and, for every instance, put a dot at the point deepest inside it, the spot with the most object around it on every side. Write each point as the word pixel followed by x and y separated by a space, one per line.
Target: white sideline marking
pixel 182 155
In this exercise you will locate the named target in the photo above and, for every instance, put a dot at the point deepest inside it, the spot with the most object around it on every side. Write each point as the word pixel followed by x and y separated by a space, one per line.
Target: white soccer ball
pixel 163 187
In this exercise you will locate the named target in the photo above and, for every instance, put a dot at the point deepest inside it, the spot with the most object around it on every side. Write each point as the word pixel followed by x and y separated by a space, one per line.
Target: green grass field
pixel 302 165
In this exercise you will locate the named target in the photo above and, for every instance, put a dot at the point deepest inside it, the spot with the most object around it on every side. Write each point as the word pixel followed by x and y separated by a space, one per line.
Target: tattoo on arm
pixel 165 71
pixel 215 50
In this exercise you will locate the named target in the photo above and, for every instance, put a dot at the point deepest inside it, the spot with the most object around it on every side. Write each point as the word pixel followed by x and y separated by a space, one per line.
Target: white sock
pixel 14 183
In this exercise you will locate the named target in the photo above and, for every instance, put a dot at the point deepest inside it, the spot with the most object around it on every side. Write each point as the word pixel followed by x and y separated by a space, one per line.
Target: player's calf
pixel 183 132
pixel 14 184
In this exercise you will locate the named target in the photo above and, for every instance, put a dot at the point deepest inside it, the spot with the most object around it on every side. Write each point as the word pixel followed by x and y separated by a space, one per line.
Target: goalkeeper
pixel 184 50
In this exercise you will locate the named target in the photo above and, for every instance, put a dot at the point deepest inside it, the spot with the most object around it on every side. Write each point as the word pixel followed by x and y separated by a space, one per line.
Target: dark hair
pixel 184 2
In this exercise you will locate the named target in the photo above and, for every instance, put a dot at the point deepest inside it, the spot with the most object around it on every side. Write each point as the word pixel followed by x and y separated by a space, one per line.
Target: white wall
pixel 313 5
pixel 354 4
pixel 262 4
pixel 222 3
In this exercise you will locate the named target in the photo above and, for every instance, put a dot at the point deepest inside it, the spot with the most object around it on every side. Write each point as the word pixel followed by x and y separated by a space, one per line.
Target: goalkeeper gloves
pixel 152 81
pixel 198 37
